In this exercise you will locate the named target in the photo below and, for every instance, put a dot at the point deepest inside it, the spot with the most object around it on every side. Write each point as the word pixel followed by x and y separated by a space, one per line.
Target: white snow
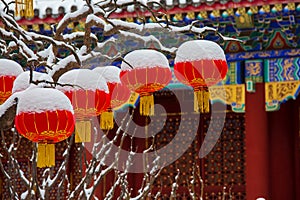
pixel 68 15
pixel 22 81
pixel 182 1
pixel 199 50
pixel 9 68
pixel 110 73
pixel 42 5
pixel 96 19
pixel 131 8
pixel 169 2
pixel 82 79
pixel 61 64
pixel 24 195
pixel 143 2
pixel 147 39
pixel 38 100
pixel 145 58
pixel 42 192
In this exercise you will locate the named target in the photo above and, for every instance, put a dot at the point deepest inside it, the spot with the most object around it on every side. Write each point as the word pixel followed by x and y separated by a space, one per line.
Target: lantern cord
pixel 46 155
pixel 24 8
pixel 147 105
pixel 83 131
pixel 107 120
pixel 201 100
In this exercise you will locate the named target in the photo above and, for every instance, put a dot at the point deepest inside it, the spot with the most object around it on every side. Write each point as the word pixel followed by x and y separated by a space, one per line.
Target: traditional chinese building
pixel 258 153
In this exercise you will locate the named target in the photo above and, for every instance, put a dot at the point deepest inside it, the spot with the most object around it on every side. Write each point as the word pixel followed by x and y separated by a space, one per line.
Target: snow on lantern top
pixel 9 68
pixel 38 100
pixel 84 79
pixel 144 58
pixel 110 73
pixel 199 50
pixel 22 81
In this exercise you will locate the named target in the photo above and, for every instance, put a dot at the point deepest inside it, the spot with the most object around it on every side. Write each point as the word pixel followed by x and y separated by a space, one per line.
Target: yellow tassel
pixel 83 131
pixel 24 8
pixel 206 98
pixel 46 155
pixel 201 100
pixel 147 105
pixel 198 101
pixel 107 120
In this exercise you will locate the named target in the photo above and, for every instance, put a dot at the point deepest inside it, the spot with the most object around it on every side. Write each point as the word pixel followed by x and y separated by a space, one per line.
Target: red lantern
pixel 44 116
pixel 89 95
pixel 9 70
pixel 144 72
pixel 200 64
pixel 119 93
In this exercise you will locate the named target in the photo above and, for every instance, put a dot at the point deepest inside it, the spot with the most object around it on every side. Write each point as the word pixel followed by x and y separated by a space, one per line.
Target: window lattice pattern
pixel 224 166
pixel 23 155
pixel 20 187
pixel 186 161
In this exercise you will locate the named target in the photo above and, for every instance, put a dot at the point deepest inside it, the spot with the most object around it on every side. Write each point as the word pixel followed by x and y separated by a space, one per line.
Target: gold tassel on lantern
pixel 206 101
pixel 83 131
pixel 198 101
pixel 24 8
pixel 107 120
pixel 201 100
pixel 46 155
pixel 147 105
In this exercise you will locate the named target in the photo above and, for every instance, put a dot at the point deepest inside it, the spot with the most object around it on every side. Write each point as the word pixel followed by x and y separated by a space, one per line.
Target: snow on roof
pixel 9 68
pixel 38 100
pixel 145 58
pixel 67 5
pixel 199 50
pixel 22 81
pixel 110 73
pixel 82 79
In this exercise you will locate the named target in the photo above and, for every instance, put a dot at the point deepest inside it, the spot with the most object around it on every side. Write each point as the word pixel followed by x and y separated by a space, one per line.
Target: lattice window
pixel 185 162
pixel 224 166
pixel 23 155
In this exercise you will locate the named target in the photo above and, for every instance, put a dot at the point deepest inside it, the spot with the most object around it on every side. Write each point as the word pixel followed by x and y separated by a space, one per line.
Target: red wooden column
pixel 283 131
pixel 297 147
pixel 257 145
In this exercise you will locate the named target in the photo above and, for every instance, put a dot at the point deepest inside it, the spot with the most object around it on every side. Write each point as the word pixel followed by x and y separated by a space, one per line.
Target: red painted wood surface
pixel 257 146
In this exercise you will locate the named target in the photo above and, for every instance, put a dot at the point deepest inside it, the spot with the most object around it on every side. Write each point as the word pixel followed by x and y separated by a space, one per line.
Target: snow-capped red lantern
pixel 89 96
pixel 22 81
pixel 200 64
pixel 144 72
pixel 45 116
pixel 9 70
pixel 119 93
